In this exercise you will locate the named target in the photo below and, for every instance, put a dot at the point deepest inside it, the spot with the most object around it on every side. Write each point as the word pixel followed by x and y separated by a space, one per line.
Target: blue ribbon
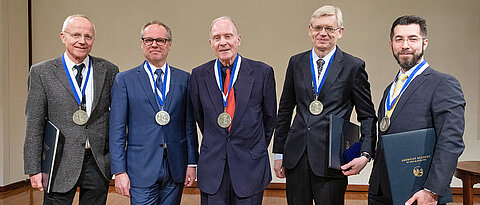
pixel 161 99
pixel 389 103
pixel 232 74
pixel 77 97
pixel 317 89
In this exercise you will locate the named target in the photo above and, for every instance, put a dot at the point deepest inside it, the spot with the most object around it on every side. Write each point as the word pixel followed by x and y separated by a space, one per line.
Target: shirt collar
pixel 326 58
pixel 70 63
pixel 154 68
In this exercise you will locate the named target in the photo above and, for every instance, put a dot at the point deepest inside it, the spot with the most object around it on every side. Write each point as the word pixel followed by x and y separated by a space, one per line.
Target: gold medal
pixel 80 117
pixel 316 107
pixel 162 118
pixel 384 124
pixel 224 120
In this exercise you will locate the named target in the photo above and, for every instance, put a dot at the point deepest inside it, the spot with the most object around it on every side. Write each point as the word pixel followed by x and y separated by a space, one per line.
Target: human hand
pixel 279 168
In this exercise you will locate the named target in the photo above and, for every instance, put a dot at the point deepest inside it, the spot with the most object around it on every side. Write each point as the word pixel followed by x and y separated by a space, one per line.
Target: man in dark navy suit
pixel 323 77
pixel 425 99
pixel 151 102
pixel 235 107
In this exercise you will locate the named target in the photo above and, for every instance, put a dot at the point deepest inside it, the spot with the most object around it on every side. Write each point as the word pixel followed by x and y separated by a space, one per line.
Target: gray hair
pixel 328 11
pixel 157 22
pixel 65 23
pixel 222 18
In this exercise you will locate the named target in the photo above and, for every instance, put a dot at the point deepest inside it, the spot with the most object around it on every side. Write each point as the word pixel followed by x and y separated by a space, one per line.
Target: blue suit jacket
pixel 134 107
pixel 432 100
pixel 245 146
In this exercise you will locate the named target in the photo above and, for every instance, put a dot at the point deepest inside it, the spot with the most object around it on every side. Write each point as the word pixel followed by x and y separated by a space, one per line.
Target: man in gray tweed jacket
pixel 74 84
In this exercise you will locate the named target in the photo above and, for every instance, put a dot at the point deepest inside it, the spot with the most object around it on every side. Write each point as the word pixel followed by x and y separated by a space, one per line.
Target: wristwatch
pixel 365 154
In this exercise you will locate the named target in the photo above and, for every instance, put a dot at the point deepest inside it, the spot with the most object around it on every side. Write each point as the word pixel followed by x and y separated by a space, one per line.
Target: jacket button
pixel 161 145
pixel 228 139
pixel 308 128
pixel 224 157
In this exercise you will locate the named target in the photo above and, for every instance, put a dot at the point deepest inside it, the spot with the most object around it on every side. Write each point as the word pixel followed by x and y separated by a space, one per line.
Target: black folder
pixel 52 144
pixel 344 144
pixel 408 156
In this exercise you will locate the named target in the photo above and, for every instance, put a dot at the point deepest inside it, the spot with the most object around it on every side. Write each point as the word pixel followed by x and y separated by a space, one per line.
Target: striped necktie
pixel 396 92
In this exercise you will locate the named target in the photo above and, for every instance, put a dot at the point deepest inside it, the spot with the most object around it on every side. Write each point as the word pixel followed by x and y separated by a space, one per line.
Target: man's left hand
pixel 191 176
pixel 423 197
pixel 355 166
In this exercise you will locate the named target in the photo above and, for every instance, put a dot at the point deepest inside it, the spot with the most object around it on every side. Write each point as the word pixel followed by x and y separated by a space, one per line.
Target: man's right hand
pixel 279 168
pixel 36 181
pixel 122 184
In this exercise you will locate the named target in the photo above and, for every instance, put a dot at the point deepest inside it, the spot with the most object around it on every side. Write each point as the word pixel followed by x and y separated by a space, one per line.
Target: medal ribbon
pixel 318 88
pixel 232 76
pixel 77 97
pixel 389 104
pixel 161 99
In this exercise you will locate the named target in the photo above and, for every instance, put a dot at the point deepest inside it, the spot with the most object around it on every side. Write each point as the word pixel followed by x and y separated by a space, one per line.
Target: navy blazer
pixel 346 86
pixel 134 108
pixel 245 145
pixel 432 100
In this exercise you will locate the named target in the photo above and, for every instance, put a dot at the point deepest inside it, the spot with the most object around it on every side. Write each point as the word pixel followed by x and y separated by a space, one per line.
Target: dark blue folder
pixel 344 144
pixel 408 156
pixel 51 142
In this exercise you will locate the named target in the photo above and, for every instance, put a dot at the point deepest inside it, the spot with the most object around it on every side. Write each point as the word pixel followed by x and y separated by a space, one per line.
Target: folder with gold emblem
pixel 408 156
pixel 52 144
pixel 344 144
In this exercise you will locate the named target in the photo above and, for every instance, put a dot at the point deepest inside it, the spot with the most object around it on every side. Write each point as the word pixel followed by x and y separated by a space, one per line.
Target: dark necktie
pixel 320 63
pixel 79 78
pixel 159 80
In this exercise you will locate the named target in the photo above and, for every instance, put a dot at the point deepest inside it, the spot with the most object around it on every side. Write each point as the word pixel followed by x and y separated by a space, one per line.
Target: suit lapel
pixel 305 71
pixel 172 90
pixel 333 72
pixel 59 72
pixel 213 90
pixel 244 86
pixel 99 73
pixel 147 88
pixel 381 109
pixel 415 83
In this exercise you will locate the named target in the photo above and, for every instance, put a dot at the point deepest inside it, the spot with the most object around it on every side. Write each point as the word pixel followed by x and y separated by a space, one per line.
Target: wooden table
pixel 469 173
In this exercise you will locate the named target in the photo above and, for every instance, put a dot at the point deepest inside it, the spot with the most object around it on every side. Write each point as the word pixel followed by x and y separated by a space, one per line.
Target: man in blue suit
pixel 235 107
pixel 151 101
pixel 425 99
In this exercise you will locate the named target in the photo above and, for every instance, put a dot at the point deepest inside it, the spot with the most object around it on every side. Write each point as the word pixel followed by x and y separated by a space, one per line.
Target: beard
pixel 407 64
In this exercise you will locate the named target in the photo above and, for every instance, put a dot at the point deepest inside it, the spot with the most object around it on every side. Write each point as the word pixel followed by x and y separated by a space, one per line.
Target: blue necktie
pixel 159 81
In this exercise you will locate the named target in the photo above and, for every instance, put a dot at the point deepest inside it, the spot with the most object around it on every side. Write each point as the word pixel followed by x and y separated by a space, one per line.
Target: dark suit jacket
pixel 346 85
pixel 245 146
pixel 51 97
pixel 432 99
pixel 134 107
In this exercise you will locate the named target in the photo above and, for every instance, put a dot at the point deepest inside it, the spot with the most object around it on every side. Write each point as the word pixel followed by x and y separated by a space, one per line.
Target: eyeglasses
pixel 159 41
pixel 78 36
pixel 409 40
pixel 328 29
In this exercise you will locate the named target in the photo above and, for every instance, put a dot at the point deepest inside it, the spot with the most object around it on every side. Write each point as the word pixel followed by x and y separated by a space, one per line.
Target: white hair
pixel 328 11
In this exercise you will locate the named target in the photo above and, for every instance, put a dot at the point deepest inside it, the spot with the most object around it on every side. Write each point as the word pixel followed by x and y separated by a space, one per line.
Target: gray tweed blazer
pixel 50 97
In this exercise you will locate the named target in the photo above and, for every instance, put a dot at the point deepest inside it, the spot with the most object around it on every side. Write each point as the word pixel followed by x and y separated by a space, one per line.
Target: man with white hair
pixel 235 106
pixel 72 92
pixel 319 82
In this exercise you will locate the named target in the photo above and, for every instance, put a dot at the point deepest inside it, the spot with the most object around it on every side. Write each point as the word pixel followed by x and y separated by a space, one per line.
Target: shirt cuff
pixel 192 165
pixel 278 156
pixel 430 191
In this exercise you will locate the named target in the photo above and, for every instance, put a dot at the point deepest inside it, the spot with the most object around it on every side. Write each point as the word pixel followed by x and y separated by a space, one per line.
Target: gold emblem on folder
pixel 418 171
